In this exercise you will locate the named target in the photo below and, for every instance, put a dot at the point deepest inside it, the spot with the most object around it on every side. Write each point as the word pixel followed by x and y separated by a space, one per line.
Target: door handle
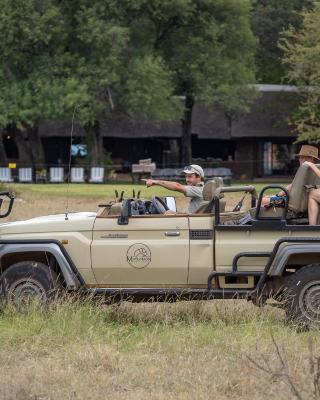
pixel 172 233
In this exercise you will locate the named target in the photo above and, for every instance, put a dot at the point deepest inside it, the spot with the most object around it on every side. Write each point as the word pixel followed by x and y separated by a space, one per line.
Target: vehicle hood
pixel 75 222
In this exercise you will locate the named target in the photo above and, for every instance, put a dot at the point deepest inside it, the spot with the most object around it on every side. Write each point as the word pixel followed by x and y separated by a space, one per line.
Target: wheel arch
pixel 294 254
pixel 11 253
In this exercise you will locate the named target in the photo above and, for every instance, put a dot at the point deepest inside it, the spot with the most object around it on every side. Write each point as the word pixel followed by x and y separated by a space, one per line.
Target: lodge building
pixel 256 144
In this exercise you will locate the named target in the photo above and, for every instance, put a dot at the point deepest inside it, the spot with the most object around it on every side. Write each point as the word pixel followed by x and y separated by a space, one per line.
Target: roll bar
pixel 232 189
pixel 285 198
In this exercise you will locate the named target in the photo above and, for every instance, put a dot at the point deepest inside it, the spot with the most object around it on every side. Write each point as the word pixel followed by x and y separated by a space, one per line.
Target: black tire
pixel 29 280
pixel 302 296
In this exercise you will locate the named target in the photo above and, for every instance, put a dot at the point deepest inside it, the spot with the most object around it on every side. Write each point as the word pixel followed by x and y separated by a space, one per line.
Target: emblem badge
pixel 139 255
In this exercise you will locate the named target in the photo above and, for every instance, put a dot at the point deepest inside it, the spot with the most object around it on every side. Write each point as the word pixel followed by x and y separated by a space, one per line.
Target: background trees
pixel 29 31
pixel 93 58
pixel 73 59
pixel 207 45
pixel 269 19
pixel 302 55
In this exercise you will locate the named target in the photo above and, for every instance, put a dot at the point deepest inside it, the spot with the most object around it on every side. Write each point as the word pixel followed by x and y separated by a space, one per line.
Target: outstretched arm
pixel 166 184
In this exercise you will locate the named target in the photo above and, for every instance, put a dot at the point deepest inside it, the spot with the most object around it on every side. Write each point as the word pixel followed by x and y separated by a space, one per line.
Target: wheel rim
pixel 26 291
pixel 309 301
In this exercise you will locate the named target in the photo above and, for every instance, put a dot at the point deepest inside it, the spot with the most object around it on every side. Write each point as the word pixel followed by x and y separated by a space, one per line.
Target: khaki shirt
pixel 195 193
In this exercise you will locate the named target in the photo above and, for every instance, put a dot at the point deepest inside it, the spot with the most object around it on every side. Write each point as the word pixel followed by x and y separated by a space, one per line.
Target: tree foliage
pixel 207 45
pixel 302 55
pixel 91 58
pixel 61 59
pixel 269 19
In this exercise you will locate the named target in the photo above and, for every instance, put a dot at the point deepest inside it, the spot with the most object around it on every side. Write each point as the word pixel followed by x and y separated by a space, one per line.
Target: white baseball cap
pixel 194 169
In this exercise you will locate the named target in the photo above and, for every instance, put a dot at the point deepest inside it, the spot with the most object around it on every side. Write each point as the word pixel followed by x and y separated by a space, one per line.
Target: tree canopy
pixel 60 57
pixel 302 56
pixel 269 19
pixel 99 57
pixel 207 45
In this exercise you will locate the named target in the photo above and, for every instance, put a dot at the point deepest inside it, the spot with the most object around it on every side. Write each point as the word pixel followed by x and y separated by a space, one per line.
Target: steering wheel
pixel 159 205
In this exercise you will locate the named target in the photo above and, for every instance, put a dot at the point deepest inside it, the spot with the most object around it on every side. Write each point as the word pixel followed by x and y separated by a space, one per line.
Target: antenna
pixel 69 165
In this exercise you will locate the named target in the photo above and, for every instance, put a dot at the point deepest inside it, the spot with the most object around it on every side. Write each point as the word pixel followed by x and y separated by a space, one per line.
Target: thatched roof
pixel 269 117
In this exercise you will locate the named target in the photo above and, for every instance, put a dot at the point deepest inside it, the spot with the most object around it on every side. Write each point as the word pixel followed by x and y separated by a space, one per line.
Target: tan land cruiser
pixel 130 248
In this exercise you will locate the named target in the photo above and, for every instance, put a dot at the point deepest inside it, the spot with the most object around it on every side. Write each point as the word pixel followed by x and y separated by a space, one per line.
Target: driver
pixel 194 185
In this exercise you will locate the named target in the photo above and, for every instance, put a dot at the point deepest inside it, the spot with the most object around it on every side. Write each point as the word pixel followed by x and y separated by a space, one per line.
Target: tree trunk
pixel 186 147
pixel 23 146
pixel 3 155
pixel 95 144
pixel 36 146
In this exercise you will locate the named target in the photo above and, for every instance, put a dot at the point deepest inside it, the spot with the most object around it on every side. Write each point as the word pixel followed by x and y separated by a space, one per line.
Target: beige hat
pixel 309 151
pixel 194 169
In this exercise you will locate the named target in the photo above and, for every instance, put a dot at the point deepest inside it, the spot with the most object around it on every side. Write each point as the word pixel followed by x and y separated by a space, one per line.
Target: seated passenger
pixel 313 199
pixel 308 154
pixel 194 176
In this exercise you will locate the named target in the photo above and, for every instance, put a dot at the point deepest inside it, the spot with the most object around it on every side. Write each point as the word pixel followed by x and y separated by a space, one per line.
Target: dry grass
pixel 83 350
pixel 80 349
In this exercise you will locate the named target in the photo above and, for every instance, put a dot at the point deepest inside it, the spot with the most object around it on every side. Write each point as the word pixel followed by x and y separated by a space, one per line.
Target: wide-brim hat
pixel 309 151
pixel 194 169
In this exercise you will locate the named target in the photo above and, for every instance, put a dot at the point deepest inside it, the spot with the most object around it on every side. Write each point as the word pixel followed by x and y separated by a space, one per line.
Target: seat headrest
pixel 298 196
pixel 110 209
pixel 210 187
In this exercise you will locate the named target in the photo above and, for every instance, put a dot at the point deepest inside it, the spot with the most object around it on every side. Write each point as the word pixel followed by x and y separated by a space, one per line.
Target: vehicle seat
pixel 232 217
pixel 298 196
pixel 110 209
pixel 208 194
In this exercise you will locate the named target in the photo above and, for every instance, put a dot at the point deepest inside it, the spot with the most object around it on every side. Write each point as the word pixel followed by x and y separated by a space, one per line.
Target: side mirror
pixel 125 212
pixel 171 203
pixel 8 207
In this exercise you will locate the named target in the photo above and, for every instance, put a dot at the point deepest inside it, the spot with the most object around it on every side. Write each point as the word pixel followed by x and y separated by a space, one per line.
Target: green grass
pixel 95 190
pixel 167 327
pixel 86 190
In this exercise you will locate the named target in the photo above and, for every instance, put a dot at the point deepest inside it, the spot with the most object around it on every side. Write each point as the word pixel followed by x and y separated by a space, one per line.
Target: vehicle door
pixel 201 262
pixel 149 251
pixel 249 244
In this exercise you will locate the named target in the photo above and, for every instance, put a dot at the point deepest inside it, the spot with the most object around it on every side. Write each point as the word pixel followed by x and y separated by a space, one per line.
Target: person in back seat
pixel 308 154
pixel 313 198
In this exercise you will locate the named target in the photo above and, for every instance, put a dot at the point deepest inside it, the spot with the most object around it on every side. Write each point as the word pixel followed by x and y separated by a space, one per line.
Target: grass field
pixel 95 190
pixel 83 349
pixel 186 350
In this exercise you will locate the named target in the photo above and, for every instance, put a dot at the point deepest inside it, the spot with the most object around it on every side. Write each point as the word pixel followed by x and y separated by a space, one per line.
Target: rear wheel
pixel 302 296
pixel 28 281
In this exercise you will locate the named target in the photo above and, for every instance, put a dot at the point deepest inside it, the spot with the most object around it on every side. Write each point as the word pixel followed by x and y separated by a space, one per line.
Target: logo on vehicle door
pixel 139 255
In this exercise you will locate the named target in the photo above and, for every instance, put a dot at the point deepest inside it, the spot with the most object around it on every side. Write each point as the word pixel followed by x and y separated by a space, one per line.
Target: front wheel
pixel 302 296
pixel 29 280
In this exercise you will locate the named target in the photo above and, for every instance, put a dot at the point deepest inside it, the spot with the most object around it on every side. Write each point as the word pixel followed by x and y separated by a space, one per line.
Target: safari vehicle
pixel 132 249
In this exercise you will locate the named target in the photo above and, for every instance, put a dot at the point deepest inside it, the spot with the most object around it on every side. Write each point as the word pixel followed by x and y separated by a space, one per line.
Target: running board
pixel 176 293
